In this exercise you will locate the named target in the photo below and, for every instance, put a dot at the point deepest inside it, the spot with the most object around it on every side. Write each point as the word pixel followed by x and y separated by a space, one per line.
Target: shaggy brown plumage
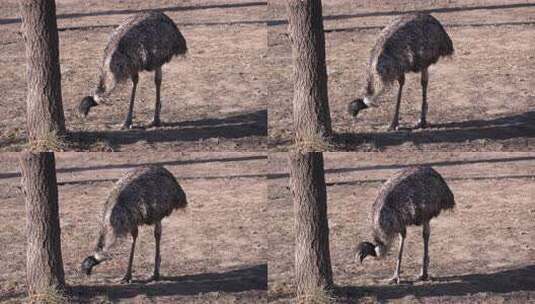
pixel 143 42
pixel 412 196
pixel 143 196
pixel 411 43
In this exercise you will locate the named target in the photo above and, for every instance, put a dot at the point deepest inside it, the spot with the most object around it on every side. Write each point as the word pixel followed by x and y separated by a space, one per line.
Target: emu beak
pixel 358 257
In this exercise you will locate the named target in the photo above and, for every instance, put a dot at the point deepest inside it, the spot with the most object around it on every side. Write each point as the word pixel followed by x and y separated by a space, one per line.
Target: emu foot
pixel 393 127
pixel 421 125
pixel 126 126
pixel 127 279
pixel 394 280
pixel 423 277
pixel 154 277
pixel 154 123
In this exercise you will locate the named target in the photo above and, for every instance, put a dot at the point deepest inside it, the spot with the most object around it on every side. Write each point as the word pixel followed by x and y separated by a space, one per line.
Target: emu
pixel 411 43
pixel 413 196
pixel 143 196
pixel 143 42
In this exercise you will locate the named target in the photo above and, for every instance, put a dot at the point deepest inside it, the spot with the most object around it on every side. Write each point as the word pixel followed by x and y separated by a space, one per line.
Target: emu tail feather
pixel 446 49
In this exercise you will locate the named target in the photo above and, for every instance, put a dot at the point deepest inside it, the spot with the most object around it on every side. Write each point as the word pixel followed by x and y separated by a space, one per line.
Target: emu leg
pixel 426 231
pixel 395 278
pixel 158 106
pixel 128 121
pixel 128 276
pixel 422 123
pixel 157 259
pixel 395 122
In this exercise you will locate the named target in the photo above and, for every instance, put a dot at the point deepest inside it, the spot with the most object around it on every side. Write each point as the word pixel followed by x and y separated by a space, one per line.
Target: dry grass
pixel 469 95
pixel 318 144
pixel 317 296
pixel 50 142
pixel 50 296
pixel 469 262
pixel 214 99
pixel 213 252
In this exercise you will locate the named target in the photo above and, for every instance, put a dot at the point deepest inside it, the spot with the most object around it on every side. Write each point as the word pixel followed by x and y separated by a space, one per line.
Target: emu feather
pixel 411 43
pixel 413 196
pixel 143 42
pixel 143 196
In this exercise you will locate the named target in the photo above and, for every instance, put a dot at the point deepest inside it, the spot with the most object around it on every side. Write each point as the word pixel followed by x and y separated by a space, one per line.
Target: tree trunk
pixel 312 120
pixel 44 108
pixel 313 271
pixel 44 264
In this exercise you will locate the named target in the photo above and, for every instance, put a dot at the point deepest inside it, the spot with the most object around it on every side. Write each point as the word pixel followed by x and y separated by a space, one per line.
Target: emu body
pixel 412 196
pixel 411 43
pixel 143 42
pixel 143 196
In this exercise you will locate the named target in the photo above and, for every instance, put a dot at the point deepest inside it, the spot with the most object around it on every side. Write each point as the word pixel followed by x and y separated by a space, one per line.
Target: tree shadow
pixel 455 178
pixel 247 278
pixel 426 11
pixel 136 11
pixel 232 127
pixel 502 128
pixel 461 25
pixel 506 281
pixel 159 163
pixel 432 164
pixel 12 295
pixel 210 23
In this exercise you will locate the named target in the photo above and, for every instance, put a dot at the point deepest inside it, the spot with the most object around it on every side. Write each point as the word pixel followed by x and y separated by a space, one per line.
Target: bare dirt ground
pixel 482 99
pixel 212 253
pixel 482 252
pixel 212 100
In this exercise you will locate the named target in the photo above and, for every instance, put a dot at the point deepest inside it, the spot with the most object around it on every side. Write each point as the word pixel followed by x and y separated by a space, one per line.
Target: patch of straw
pixel 317 296
pixel 50 142
pixel 49 296
pixel 314 145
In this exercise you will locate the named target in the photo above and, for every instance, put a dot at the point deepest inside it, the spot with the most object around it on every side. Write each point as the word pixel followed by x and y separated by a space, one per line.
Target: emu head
pixel 356 106
pixel 88 263
pixel 85 105
pixel 363 250
pixel 94 260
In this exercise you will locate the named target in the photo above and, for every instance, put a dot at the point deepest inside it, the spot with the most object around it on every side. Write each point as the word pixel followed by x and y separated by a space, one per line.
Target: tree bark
pixel 44 108
pixel 313 271
pixel 312 120
pixel 44 264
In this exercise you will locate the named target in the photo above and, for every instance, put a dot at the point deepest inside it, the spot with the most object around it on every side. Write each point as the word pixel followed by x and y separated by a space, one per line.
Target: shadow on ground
pixel 160 163
pixel 232 127
pixel 427 11
pixel 239 280
pixel 503 128
pixel 506 281
pixel 405 165
pixel 136 11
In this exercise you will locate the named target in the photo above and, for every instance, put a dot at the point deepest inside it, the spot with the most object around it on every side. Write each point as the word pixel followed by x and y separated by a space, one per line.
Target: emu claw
pixel 393 127
pixel 154 277
pixel 126 280
pixel 126 126
pixel 422 277
pixel 421 125
pixel 394 280
pixel 154 123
